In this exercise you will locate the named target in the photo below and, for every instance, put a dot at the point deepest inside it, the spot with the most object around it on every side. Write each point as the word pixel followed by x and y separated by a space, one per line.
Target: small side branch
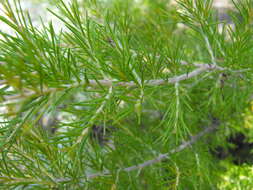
pixel 161 157
pixel 157 159
pixel 173 151
pixel 210 50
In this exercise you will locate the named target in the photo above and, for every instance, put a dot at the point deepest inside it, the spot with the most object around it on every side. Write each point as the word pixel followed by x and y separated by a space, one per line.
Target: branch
pixel 209 48
pixel 173 151
pixel 93 83
pixel 166 155
pixel 99 110
pixel 159 158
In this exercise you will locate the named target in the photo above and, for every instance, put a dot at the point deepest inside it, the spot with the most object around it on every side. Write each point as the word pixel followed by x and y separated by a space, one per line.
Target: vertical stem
pixel 209 48
pixel 99 110
pixel 177 107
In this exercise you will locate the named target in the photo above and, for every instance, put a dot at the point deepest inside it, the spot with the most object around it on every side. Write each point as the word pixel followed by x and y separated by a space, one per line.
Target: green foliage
pixel 123 83
pixel 237 177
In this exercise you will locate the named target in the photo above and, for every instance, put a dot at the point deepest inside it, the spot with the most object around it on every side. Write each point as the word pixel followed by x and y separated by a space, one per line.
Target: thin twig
pixel 99 110
pixel 173 151
pixel 108 83
pixel 210 50
pixel 157 159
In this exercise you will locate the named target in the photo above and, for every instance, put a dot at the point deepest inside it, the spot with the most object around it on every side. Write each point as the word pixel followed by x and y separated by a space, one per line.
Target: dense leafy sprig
pixel 121 84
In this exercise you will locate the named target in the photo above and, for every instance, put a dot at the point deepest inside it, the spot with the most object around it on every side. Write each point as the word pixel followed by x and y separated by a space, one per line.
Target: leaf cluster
pixel 99 81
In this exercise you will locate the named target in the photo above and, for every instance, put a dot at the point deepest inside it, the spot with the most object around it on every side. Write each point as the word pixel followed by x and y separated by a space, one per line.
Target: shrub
pixel 128 95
